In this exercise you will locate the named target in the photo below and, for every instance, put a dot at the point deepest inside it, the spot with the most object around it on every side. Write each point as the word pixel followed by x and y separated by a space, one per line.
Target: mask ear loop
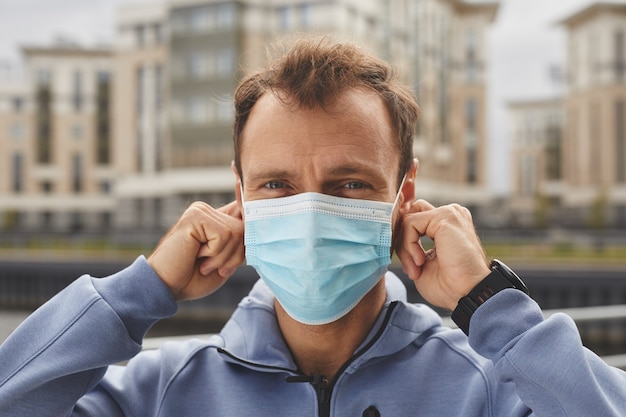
pixel 394 233
pixel 399 192
pixel 243 200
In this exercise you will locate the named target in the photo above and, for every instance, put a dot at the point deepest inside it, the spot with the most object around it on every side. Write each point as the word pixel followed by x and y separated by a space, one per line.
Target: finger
pixel 420 206
pixel 233 209
pixel 229 257
pixel 412 270
pixel 224 249
pixel 218 228
pixel 409 249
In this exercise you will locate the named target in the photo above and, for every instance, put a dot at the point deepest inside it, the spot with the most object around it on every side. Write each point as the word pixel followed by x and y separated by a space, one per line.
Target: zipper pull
pixel 316 380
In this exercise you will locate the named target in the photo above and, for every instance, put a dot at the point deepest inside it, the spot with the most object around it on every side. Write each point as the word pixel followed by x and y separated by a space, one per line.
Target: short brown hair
pixel 314 72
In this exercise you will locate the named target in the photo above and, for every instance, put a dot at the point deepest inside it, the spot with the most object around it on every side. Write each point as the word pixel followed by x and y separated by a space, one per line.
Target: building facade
pixel 594 151
pixel 569 154
pixel 55 141
pixel 171 76
pixel 449 70
pixel 536 129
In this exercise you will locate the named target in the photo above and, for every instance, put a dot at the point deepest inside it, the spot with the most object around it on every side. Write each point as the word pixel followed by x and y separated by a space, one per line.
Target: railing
pixel 601 317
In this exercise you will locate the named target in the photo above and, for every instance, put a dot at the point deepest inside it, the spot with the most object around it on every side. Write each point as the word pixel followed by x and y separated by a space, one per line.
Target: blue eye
pixel 274 185
pixel 354 185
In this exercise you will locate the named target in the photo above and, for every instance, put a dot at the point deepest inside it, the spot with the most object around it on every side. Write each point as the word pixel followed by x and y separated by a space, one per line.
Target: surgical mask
pixel 319 254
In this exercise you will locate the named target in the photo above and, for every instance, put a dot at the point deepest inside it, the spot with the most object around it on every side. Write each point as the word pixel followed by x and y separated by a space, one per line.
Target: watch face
pixel 508 273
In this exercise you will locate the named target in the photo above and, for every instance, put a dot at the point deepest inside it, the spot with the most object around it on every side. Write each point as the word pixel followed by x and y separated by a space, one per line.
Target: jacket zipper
pixel 323 388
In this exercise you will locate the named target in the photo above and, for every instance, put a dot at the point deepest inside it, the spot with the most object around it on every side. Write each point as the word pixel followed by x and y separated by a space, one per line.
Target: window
pixel 593 56
pixel 47 219
pixel 178 111
pixel 226 16
pixel 44 77
pixel 158 87
pixel 139 149
pixel 595 153
pixel 470 114
pixel 105 187
pixel 77 95
pixel 141 72
pixel 77 173
pixel 284 16
pixel 18 131
pixel 106 219
pixel 225 62
pixel 104 77
pixel 47 187
pixel 159 37
pixel 619 64
pixel 140 35
pixel 197 110
pixel 527 175
pixel 200 20
pixel 103 92
pixel 305 15
pixel 573 65
pixel 139 213
pixel 225 111
pixel 18 172
pixel 44 122
pixel 158 211
pixel 197 65
pixel 178 66
pixel 177 23
pixel 553 150
pixel 471 64
pixel 18 104
pixel 471 140
pixel 620 143
pixel 76 221
pixel 78 132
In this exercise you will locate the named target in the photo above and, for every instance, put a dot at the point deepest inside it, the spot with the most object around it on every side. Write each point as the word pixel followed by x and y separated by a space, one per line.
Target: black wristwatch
pixel 500 278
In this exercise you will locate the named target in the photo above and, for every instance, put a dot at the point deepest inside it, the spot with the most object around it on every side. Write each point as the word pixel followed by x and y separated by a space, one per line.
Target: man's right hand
pixel 201 251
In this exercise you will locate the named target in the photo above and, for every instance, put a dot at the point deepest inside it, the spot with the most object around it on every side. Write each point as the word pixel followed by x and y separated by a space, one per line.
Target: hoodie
pixel 515 363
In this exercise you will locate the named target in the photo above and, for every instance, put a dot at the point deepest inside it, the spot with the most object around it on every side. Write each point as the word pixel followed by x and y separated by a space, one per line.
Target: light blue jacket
pixel 56 363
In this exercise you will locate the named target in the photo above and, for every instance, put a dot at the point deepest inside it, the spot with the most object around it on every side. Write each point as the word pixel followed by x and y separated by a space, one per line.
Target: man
pixel 325 191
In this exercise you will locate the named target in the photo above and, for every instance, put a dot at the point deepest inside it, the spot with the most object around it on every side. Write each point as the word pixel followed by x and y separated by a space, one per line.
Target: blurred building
pixel 55 141
pixel 569 154
pixel 536 129
pixel 171 76
pixel 594 151
pixel 140 115
pixel 450 62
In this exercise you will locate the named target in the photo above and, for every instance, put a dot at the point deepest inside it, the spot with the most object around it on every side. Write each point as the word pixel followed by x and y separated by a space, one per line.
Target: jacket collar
pixel 253 337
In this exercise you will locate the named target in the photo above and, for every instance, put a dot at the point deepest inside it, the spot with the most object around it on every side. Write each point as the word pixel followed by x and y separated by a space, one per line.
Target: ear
pixel 238 184
pixel 408 188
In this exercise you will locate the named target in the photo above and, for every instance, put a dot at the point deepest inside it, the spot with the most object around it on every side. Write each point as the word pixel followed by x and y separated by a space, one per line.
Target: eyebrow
pixel 339 171
pixel 344 170
pixel 271 173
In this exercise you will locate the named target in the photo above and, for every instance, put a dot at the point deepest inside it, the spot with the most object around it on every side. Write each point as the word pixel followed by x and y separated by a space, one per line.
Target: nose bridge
pixel 311 180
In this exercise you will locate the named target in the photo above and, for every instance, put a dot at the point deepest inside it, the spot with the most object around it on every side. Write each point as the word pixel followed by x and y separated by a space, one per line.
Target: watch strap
pixel 501 277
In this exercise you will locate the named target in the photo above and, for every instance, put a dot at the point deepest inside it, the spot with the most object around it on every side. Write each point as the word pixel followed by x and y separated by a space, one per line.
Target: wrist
pixel 501 277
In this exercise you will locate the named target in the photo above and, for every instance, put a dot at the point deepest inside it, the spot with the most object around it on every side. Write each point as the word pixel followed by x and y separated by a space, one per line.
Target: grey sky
pixel 523 43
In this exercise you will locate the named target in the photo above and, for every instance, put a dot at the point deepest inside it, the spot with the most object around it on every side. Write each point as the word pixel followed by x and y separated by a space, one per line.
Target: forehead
pixel 357 117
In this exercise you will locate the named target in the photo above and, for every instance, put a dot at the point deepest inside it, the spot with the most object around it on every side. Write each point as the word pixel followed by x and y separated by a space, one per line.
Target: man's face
pixel 349 150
